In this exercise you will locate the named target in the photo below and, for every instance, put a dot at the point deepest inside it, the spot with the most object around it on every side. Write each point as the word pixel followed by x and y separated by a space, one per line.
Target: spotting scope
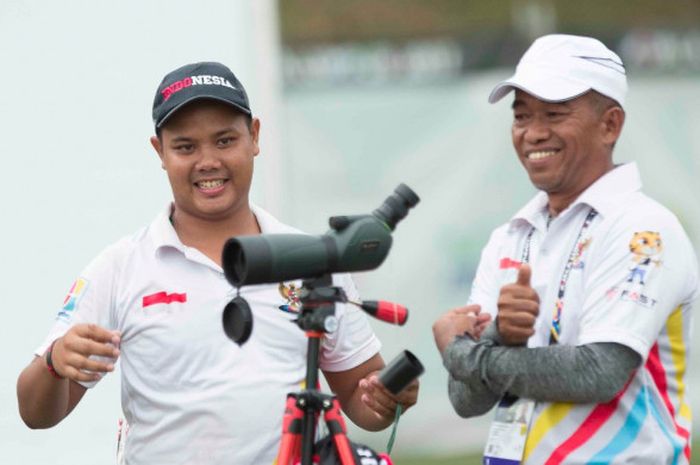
pixel 354 243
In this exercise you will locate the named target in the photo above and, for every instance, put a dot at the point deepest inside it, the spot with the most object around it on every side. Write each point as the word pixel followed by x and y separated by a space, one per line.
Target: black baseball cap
pixel 204 80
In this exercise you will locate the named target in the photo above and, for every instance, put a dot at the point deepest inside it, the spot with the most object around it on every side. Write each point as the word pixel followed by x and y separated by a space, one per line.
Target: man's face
pixel 207 149
pixel 565 146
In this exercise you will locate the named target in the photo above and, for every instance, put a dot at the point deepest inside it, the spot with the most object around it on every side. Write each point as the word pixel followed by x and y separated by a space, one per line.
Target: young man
pixel 155 299
pixel 590 285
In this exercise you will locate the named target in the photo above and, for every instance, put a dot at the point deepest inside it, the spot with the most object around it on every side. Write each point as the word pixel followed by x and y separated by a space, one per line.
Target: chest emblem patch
pixel 291 294
pixel 163 298
pixel 507 263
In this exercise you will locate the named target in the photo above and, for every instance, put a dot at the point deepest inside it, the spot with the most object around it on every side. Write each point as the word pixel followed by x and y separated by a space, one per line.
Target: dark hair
pixel 601 103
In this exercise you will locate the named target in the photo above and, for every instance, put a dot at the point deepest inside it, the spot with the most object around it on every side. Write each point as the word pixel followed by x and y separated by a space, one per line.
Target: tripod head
pixel 318 298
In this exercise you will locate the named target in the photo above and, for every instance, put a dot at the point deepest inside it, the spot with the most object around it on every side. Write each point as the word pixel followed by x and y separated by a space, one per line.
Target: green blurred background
pixel 377 93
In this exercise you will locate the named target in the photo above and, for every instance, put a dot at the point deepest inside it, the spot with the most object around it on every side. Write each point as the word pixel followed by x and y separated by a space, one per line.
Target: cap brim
pixel 549 90
pixel 199 97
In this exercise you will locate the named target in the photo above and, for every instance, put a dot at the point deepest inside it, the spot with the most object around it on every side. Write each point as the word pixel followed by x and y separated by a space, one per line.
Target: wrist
pixel 449 355
pixel 491 333
pixel 48 359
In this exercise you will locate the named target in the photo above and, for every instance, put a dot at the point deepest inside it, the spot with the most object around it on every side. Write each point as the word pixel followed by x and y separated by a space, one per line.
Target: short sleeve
pixel 485 287
pixel 642 269
pixel 354 342
pixel 90 299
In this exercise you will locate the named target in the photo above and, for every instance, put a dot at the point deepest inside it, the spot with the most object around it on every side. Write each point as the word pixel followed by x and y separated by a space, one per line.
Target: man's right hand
pixel 71 353
pixel 518 307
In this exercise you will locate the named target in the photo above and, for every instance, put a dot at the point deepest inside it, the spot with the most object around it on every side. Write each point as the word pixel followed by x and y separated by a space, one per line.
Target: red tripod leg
pixel 336 427
pixel 291 432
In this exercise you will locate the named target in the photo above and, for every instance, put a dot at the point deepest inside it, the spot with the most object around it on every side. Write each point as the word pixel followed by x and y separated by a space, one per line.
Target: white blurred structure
pixel 76 88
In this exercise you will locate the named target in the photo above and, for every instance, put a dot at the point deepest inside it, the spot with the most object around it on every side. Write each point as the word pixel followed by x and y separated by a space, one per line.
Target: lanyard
pixel 575 254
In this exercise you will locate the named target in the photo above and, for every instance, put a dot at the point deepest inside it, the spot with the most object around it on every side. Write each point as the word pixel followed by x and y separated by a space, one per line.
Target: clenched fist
pixel 518 307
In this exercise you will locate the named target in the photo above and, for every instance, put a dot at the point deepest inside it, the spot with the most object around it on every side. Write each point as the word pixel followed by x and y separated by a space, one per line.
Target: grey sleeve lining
pixel 482 372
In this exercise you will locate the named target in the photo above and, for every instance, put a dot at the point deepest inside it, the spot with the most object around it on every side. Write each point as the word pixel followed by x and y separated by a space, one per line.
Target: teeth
pixel 540 155
pixel 211 184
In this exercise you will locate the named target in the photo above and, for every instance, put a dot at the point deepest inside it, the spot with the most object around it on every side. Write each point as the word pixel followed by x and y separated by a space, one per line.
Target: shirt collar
pixel 609 190
pixel 603 195
pixel 163 233
pixel 269 224
pixel 534 213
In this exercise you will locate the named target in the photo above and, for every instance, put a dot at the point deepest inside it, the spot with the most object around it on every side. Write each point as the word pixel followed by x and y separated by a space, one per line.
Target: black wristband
pixel 49 362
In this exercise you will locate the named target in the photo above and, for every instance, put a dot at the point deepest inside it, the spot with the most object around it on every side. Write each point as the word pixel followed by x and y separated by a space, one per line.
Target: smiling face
pixel 207 148
pixel 564 146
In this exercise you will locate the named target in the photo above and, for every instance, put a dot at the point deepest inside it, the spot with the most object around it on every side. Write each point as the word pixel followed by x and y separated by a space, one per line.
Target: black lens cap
pixel 238 320
pixel 400 372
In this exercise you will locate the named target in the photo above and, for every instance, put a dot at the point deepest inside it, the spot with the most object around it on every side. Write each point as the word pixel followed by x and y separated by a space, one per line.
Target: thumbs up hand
pixel 518 307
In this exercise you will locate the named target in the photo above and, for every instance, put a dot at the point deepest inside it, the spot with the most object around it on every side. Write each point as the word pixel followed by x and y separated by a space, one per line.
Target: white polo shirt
pixel 633 276
pixel 190 395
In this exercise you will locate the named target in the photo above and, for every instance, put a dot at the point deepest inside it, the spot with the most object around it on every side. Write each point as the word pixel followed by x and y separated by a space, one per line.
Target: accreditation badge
pixel 508 432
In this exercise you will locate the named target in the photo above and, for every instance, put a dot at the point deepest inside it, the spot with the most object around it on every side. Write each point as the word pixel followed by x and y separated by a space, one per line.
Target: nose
pixel 209 159
pixel 537 131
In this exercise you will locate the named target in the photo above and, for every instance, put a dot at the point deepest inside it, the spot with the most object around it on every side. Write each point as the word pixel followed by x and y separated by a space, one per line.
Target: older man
pixel 590 285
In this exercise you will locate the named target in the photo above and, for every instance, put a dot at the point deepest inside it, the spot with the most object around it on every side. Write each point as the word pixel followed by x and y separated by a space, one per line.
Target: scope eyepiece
pixel 396 206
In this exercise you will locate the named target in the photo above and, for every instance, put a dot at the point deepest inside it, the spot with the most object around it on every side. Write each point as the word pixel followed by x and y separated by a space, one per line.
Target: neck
pixel 209 236
pixel 560 201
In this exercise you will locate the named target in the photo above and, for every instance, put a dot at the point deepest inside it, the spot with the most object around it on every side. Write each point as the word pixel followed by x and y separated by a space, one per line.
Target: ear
pixel 612 121
pixel 255 133
pixel 158 147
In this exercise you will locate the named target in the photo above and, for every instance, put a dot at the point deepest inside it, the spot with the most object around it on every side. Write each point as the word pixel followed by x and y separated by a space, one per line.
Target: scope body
pixel 269 258
pixel 354 243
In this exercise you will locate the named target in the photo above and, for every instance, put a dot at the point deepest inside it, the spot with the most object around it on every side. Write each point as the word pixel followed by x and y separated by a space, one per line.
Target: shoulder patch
pixel 74 295
pixel 646 248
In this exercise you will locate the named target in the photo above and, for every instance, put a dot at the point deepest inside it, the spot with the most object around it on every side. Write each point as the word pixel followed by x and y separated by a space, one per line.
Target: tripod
pixel 317 316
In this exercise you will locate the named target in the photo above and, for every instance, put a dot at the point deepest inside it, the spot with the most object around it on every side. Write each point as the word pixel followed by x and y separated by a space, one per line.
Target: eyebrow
pixel 225 131
pixel 217 134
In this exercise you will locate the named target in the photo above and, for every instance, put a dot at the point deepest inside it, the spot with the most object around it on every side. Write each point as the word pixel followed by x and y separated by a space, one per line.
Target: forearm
pixel 546 373
pixel 43 400
pixel 470 398
pixel 351 385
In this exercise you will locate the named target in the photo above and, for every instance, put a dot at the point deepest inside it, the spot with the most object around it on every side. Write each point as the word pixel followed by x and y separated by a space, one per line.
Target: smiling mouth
pixel 210 184
pixel 541 155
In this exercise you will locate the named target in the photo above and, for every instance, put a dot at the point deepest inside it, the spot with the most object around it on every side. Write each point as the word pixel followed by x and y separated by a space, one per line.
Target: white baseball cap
pixel 561 67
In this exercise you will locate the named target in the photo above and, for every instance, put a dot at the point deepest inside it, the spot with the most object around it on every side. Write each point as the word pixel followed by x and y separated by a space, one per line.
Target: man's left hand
pixel 382 402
